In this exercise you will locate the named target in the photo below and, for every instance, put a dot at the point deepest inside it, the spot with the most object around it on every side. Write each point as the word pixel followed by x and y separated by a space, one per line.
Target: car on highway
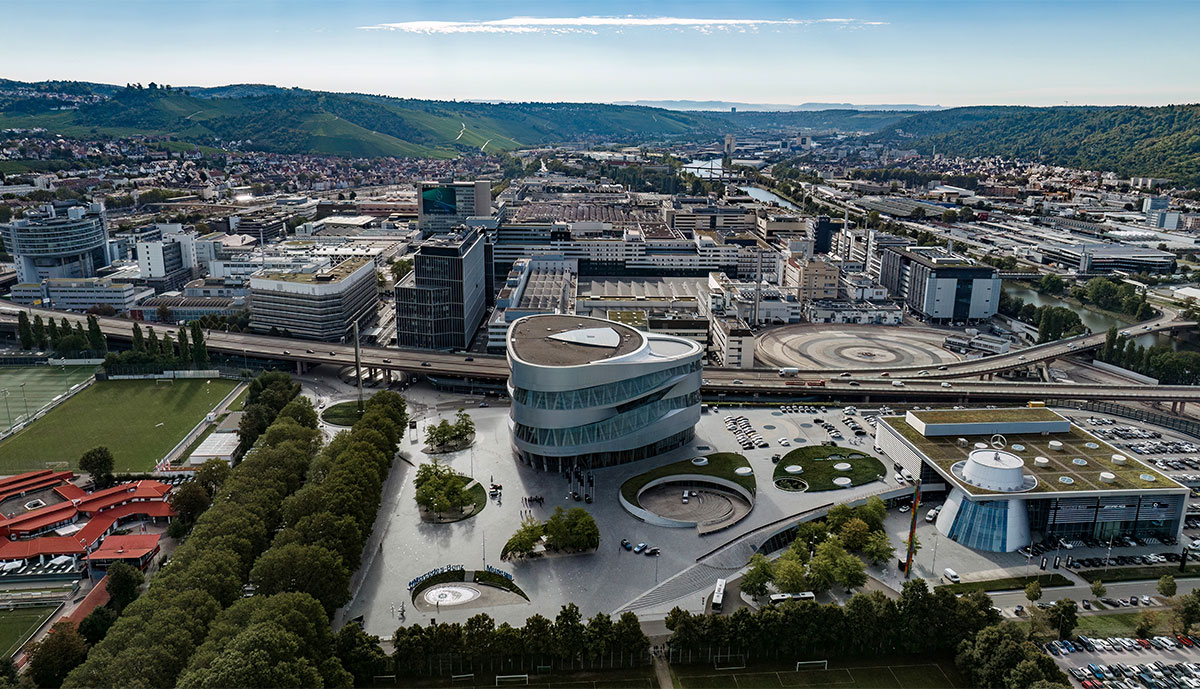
pixel 387 361
pixel 470 358
pixel 426 363
pixel 308 351
pixel 942 367
pixel 897 383
pixel 854 383
pixel 946 384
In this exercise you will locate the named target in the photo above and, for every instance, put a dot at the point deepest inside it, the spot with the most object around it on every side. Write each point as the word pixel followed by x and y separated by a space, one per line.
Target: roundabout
pixel 852 347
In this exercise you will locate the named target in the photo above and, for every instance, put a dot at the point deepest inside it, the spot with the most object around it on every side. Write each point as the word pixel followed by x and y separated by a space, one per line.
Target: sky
pixel 949 53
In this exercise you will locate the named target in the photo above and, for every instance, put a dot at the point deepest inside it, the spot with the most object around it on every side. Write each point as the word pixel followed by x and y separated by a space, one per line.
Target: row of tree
pixel 156 635
pixel 65 340
pixel 268 393
pixel 566 642
pixel 160 354
pixel 1170 367
pixel 1053 322
pixel 572 531
pixel 280 636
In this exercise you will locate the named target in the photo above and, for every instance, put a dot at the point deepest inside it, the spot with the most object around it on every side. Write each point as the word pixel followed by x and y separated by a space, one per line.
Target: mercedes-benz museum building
pixel 588 392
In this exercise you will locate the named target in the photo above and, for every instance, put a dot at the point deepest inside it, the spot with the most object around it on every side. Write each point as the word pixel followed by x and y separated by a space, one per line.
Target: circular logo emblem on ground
pixel 450 594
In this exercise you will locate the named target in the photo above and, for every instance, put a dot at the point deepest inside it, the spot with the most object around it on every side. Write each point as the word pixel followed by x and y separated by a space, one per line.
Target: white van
pixel 685 497
pixel 950 575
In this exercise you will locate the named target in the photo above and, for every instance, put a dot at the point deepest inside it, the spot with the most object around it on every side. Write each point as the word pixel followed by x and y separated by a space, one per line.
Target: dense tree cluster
pixel 445 434
pixel 566 642
pixel 822 553
pixel 1002 657
pixel 269 394
pixel 441 489
pixel 1053 322
pixel 572 531
pixel 1170 367
pixel 870 624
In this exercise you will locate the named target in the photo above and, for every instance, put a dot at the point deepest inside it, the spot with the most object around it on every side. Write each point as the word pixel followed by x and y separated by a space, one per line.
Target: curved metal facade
pixel 606 411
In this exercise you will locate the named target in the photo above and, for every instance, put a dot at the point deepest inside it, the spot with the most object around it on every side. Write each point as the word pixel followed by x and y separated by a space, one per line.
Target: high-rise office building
pixel 441 303
pixel 58 242
pixel 318 304
pixel 940 286
pixel 443 206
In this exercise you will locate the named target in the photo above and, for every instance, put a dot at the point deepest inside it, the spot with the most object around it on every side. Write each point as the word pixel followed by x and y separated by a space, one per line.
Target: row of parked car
pixel 1156 675
pixel 744 433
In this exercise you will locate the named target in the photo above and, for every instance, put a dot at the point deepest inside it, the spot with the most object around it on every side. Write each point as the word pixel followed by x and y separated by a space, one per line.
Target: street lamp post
pixel 26 398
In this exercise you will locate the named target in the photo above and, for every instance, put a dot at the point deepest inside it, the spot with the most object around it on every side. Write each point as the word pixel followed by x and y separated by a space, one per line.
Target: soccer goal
pixel 467 677
pixel 512 679
pixel 729 661
pixel 812 665
pixel 164 381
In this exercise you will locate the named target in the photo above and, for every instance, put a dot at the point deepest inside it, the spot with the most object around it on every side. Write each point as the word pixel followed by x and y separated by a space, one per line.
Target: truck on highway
pixel 789 372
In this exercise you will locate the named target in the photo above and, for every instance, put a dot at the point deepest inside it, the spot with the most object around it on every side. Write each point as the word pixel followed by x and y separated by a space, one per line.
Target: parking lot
pixel 1120 662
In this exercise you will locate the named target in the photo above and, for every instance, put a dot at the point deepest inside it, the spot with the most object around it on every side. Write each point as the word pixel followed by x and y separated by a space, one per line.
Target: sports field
pixel 138 420
pixel 15 624
pixel 42 384
pixel 917 676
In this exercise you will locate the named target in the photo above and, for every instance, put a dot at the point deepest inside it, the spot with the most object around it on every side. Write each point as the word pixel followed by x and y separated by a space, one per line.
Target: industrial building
pixel 589 393
pixel 939 286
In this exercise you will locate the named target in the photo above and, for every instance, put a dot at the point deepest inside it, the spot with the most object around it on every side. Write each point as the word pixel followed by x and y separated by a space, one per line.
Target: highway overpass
pixel 732 383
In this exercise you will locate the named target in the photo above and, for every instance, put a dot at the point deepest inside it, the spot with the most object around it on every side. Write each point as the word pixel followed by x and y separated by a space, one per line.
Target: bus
pixel 718 597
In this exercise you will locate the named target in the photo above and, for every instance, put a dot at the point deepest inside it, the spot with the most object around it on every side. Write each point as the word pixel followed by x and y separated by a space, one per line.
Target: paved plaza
pixel 852 347
pixel 403 547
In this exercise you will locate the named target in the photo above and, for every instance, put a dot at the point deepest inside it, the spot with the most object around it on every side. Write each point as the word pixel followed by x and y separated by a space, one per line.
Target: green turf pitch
pixel 138 420
pixel 927 676
pixel 42 384
pixel 15 624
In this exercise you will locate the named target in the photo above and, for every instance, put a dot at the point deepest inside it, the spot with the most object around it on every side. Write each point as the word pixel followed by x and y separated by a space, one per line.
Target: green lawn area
pixel 341 414
pixel 1138 573
pixel 818 462
pixel 870 675
pixel 138 420
pixel 15 624
pixel 42 384
pixel 720 464
pixel 1008 583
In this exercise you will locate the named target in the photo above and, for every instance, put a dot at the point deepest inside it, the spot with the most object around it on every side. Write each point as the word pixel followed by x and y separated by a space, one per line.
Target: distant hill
pixel 270 118
pixel 1129 140
pixel 783 123
pixel 725 105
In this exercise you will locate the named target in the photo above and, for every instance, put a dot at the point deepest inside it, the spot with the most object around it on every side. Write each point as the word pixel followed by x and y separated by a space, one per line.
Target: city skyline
pixel 863 52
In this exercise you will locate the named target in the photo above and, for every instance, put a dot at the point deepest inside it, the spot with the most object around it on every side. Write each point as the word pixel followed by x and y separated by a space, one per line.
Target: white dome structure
pixel 994 470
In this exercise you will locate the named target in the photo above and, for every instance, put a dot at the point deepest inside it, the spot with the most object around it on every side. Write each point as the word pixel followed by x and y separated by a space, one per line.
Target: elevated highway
pixel 739 383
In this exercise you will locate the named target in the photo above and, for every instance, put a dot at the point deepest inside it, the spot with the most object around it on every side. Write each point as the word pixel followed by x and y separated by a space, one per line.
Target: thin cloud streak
pixel 590 24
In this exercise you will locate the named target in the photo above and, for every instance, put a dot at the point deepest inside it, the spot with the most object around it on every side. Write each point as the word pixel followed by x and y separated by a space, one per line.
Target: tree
pixel 1146 623
pixel 1033 592
pixel 854 534
pixel 96 340
pixel 98 462
pixel 211 475
pixel 400 268
pixel 568 632
pixel 39 332
pixel 185 349
pixel 24 331
pixel 949 215
pixel 56 655
pixel 310 569
pixel 360 654
pixel 440 489
pixel 122 583
pixel 755 580
pixel 1063 614
pixel 790 575
pixel 93 627
pixel 1098 589
pixel 1186 610
pixel 572 530
pixel 139 340
pixel 879 547
pixel 189 501
pixel 199 349
pixel 1166 586
pixel 525 539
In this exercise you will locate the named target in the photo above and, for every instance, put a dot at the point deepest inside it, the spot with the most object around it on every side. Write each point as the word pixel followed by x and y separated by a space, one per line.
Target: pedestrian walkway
pixel 663 672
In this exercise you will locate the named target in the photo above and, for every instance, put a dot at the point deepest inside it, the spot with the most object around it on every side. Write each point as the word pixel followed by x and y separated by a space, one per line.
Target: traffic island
pixel 344 414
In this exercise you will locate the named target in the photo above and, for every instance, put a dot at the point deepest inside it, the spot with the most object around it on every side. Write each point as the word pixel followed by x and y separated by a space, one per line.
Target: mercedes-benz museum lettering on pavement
pixel 590 392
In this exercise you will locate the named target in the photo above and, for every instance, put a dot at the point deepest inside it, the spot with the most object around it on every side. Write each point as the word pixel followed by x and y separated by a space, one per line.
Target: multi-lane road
pixel 717 380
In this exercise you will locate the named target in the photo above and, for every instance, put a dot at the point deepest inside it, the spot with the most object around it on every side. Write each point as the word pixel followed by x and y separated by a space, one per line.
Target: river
pixel 760 194
pixel 1096 322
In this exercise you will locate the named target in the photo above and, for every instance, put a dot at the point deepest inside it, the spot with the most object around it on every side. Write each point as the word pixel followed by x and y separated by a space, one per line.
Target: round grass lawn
pixel 720 464
pixel 817 462
pixel 341 414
